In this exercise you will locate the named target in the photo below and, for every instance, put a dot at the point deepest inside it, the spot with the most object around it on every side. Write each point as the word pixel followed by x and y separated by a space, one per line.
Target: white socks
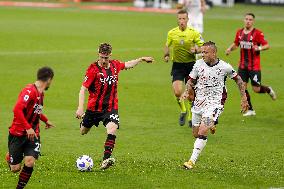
pixel 199 144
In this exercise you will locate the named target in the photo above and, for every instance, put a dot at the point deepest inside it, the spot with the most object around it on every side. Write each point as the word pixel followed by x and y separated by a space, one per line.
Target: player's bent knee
pixel 111 128
pixel 29 161
pixel 203 130
pixel 15 168
pixel 177 88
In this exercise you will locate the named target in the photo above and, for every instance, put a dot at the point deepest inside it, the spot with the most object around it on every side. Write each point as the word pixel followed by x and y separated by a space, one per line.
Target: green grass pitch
pixel 151 146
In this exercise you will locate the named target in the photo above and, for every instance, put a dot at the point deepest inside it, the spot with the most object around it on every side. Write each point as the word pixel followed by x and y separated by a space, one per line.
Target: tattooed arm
pixel 241 85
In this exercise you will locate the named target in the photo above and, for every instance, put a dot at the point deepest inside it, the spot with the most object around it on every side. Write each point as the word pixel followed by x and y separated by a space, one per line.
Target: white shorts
pixel 212 112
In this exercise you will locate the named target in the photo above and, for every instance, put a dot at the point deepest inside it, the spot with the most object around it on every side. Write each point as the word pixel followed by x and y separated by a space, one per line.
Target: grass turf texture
pixel 151 147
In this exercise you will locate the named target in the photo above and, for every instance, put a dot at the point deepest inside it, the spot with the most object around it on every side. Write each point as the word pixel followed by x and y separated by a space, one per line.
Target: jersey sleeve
pixel 169 39
pixel 119 65
pixel 89 77
pixel 194 72
pixel 230 71
pixel 261 39
pixel 237 40
pixel 26 96
pixel 198 40
pixel 43 118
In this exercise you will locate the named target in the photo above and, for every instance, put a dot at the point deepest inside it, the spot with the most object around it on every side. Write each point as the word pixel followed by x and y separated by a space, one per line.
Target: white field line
pixel 78 51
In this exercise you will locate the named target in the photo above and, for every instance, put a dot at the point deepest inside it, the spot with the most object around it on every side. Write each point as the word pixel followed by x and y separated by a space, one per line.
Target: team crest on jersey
pixel 38 109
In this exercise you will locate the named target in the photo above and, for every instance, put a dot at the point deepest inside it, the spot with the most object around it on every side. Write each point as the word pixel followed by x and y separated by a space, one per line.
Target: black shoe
pixel 190 124
pixel 182 118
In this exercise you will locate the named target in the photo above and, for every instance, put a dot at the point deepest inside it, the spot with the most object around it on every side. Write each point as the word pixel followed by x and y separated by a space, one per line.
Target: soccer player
pixel 185 42
pixel 207 79
pixel 24 137
pixel 251 42
pixel 196 10
pixel 101 81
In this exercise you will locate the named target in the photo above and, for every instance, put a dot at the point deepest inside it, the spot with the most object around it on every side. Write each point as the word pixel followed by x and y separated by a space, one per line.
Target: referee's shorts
pixel 181 71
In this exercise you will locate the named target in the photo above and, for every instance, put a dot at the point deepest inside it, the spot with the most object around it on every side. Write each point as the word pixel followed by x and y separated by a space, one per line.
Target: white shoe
pixel 107 163
pixel 249 113
pixel 272 94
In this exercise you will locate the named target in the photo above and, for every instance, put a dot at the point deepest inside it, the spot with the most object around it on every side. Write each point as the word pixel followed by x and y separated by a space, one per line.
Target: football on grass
pixel 84 163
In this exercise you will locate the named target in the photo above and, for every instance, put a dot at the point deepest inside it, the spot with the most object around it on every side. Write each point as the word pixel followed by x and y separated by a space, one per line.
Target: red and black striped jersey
pixel 102 86
pixel 28 111
pixel 249 58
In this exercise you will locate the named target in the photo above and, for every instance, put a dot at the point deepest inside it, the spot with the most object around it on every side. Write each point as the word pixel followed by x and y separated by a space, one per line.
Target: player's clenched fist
pixel 166 58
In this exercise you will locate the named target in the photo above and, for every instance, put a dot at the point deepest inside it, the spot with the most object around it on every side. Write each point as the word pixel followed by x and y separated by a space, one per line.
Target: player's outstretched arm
pixel 241 85
pixel 189 91
pixel 133 63
pixel 48 124
pixel 80 110
pixel 232 47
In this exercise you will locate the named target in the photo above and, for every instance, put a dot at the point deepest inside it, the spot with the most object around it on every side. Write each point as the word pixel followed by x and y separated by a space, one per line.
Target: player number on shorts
pixel 255 78
pixel 37 148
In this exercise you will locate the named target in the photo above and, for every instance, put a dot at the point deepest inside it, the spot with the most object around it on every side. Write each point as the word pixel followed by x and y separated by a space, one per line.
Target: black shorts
pixel 181 71
pixel 254 76
pixel 94 118
pixel 19 147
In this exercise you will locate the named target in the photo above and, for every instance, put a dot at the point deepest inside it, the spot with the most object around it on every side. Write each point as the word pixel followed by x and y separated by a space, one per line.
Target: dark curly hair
pixel 105 48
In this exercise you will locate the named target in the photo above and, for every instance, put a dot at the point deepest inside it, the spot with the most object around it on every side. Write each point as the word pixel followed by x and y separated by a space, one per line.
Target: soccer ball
pixel 84 163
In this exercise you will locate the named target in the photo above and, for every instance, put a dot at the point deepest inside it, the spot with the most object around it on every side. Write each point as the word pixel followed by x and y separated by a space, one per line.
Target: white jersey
pixel 210 89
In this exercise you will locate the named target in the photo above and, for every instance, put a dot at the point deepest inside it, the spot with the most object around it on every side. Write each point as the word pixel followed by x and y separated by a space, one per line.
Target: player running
pixel 185 42
pixel 196 10
pixel 101 81
pixel 208 80
pixel 251 41
pixel 24 137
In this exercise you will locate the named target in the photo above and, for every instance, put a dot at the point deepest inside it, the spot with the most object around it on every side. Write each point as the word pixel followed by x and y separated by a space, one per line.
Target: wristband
pixel 259 48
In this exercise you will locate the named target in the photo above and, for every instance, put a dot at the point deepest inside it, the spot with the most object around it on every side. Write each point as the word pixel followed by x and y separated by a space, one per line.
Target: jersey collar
pixel 218 60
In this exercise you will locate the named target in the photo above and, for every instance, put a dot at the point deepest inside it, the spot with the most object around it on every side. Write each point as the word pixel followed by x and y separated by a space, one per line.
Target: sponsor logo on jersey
pixel 112 79
pixel 246 44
